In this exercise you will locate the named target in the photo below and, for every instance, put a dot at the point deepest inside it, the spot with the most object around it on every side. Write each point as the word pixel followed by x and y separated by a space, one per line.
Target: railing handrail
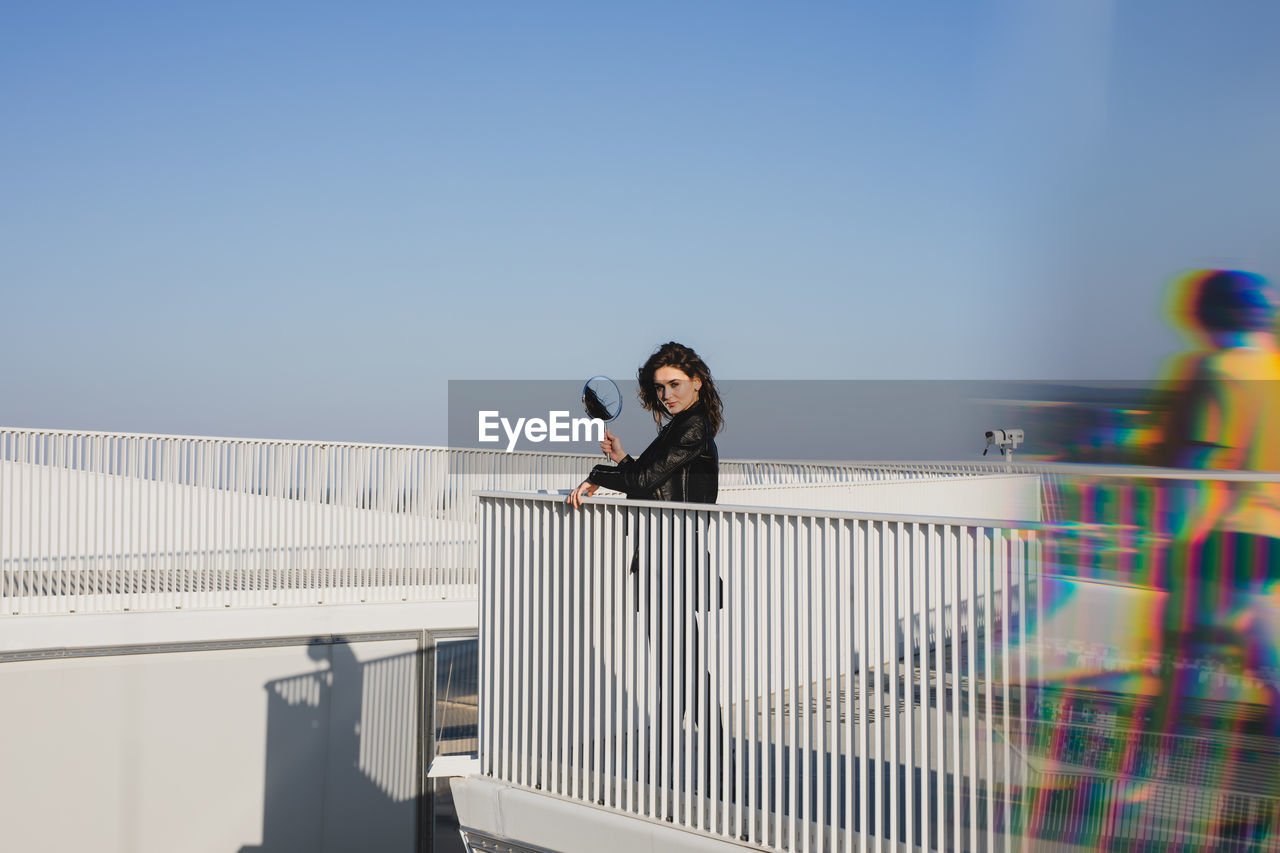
pixel 993 466
pixel 851 515
pixel 998 466
pixel 300 442
pixel 929 478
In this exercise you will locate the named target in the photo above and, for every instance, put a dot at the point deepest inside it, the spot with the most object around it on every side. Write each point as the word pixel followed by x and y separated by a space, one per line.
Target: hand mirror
pixel 601 398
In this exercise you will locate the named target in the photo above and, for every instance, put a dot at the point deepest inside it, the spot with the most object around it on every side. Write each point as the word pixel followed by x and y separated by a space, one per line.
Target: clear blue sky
pixel 300 219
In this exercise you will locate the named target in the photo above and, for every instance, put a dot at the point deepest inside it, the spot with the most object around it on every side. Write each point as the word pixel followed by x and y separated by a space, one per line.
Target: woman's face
pixel 676 391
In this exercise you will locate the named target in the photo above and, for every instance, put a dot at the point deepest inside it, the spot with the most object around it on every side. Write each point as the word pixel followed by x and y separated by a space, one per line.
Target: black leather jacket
pixel 682 464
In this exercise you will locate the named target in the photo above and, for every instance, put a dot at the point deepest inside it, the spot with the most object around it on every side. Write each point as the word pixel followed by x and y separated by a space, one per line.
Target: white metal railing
pixel 97 522
pixel 93 522
pixel 851 682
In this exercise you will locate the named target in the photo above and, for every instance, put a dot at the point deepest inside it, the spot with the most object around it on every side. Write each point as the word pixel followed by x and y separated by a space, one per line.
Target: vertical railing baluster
pixel 648 672
pixel 539 574
pixel 610 656
pixel 862 660
pixel 893 633
pixel 686 607
pixel 758 780
pixel 776 659
pixel 560 674
pixel 970 540
pixel 986 568
pixel 923 553
pixel 954 561
pixel 595 652
pixel 505 591
pixel 875 669
pixel 941 544
pixel 636 681
pixel 486 628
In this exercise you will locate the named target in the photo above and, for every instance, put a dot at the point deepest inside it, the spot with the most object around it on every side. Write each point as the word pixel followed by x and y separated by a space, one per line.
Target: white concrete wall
pixel 301 748
pixel 292 747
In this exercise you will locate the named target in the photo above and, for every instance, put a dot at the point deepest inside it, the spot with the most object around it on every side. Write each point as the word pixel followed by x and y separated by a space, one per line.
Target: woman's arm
pixel 679 447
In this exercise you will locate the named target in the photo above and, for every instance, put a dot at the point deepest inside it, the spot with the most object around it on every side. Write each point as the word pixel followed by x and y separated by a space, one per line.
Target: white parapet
pixel 995 497
pixel 520 819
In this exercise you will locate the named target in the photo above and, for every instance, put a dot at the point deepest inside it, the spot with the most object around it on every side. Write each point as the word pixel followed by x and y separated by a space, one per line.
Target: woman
pixel 682 463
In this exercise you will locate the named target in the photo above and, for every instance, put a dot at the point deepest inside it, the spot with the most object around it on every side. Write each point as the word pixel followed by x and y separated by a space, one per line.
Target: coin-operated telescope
pixel 1005 440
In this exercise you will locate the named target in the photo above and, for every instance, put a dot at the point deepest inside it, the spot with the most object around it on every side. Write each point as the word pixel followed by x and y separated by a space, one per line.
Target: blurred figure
pixel 1225 415
pixel 1226 405
pixel 1220 625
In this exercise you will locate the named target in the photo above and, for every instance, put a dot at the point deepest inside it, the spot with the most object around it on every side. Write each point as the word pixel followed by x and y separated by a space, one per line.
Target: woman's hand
pixel 585 490
pixel 612 447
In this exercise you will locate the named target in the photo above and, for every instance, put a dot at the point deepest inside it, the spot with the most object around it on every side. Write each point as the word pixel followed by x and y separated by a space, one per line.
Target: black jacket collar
pixel 685 414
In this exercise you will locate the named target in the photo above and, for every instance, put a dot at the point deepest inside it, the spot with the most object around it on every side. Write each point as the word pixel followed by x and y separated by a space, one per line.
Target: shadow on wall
pixel 341 755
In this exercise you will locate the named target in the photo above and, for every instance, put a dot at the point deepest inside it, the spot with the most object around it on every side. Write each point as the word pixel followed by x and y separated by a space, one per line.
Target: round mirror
pixel 601 398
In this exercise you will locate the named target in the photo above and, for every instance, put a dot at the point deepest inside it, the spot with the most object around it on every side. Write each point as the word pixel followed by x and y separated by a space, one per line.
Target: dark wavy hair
pixel 682 358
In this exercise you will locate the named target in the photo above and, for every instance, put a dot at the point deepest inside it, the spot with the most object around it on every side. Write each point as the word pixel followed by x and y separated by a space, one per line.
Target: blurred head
pixel 1232 301
pixel 675 378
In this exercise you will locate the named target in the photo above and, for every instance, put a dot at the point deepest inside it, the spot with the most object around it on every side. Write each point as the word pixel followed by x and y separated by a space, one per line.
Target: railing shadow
pixel 341 770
